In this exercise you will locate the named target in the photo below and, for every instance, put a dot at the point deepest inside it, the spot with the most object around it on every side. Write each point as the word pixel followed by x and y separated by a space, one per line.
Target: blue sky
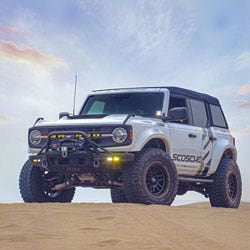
pixel 202 45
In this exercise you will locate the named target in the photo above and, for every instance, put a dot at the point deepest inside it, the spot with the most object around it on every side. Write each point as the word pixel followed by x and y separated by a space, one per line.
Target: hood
pixel 107 120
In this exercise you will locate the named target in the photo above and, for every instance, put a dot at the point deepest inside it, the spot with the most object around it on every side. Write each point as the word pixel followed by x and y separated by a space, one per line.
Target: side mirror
pixel 177 114
pixel 62 114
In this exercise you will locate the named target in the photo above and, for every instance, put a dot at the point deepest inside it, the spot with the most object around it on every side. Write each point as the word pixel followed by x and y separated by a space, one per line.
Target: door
pixel 185 148
pixel 217 132
pixel 184 140
pixel 204 136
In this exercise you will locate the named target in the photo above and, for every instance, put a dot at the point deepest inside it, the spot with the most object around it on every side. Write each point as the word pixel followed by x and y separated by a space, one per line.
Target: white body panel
pixel 182 145
pixel 107 120
pixel 224 141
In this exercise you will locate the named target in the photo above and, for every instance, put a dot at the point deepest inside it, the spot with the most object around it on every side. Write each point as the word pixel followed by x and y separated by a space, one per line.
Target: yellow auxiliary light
pixel 96 135
pixel 109 158
pixel 113 159
pixel 116 158
pixel 36 160
pixel 78 136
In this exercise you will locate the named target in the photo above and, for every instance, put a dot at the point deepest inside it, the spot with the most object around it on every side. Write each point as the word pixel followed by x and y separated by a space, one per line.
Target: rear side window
pixel 217 116
pixel 199 113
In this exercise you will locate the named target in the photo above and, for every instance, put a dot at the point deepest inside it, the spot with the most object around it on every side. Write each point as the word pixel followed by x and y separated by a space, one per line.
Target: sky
pixel 199 45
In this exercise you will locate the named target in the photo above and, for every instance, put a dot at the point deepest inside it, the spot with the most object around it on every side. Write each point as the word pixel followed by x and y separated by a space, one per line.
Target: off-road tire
pixel 118 195
pixel 138 179
pixel 182 189
pixel 227 186
pixel 31 186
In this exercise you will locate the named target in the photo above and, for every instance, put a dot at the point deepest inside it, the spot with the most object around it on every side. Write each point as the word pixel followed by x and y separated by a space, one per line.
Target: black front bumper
pixel 81 162
pixel 77 154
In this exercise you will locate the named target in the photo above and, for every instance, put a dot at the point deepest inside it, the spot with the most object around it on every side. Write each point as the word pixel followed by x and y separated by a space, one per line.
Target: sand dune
pixel 123 226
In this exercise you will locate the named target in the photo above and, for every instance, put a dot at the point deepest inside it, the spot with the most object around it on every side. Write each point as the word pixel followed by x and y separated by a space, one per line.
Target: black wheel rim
pixel 49 181
pixel 156 179
pixel 232 186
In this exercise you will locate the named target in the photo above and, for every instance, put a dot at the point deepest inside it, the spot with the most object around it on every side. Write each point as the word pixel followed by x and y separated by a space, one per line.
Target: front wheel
pixel 36 185
pixel 118 195
pixel 152 179
pixel 226 189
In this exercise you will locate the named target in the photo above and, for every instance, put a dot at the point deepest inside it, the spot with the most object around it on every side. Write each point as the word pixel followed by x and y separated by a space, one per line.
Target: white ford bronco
pixel 146 145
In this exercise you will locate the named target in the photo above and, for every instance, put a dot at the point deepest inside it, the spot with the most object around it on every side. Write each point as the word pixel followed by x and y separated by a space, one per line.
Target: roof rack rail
pixel 156 87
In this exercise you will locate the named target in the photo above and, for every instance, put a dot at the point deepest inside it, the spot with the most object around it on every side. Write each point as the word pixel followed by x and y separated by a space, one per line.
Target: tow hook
pixel 64 151
pixel 96 163
pixel 44 163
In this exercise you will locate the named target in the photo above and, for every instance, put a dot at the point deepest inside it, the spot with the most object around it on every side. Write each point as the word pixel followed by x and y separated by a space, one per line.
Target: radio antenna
pixel 74 104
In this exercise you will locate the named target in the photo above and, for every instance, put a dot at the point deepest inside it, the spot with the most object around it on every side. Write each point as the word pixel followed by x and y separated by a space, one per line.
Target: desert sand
pixel 123 226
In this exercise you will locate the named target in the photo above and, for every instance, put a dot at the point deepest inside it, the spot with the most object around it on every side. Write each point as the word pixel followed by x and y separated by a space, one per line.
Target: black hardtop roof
pixel 194 94
pixel 177 91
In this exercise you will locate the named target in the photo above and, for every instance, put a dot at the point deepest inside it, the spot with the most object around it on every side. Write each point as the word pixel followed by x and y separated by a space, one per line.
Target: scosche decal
pixel 187 158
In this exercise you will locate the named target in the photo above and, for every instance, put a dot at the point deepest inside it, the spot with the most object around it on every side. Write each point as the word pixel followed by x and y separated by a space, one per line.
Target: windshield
pixel 143 104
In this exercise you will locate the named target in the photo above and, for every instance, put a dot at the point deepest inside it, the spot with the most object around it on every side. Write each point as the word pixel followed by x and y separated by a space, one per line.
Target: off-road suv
pixel 145 144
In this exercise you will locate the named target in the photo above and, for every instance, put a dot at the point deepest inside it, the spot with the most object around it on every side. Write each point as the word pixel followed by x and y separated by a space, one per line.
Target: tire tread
pixel 132 183
pixel 31 190
pixel 217 192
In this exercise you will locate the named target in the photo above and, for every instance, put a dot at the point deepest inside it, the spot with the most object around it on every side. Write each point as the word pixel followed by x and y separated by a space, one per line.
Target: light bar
pixel 113 158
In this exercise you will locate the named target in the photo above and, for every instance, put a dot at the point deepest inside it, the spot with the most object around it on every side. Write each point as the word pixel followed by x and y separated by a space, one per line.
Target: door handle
pixel 211 138
pixel 192 135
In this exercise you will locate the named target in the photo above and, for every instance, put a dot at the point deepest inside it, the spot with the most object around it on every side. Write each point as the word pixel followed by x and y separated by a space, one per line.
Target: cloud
pixel 10 30
pixel 242 62
pixel 142 26
pixel 17 53
pixel 245 89
pixel 241 131
pixel 242 103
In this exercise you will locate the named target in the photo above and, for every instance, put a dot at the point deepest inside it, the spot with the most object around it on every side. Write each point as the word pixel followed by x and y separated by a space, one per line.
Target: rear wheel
pixel 227 186
pixel 152 179
pixel 36 185
pixel 118 195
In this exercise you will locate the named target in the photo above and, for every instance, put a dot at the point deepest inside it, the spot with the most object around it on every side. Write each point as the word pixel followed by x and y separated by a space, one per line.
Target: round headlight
pixel 35 137
pixel 119 135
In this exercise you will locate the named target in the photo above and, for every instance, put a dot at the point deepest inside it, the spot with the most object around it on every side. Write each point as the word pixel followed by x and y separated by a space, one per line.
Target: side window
pixel 96 108
pixel 217 116
pixel 175 102
pixel 199 113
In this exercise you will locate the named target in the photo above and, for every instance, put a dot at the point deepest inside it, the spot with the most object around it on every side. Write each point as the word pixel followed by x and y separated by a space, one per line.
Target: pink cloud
pixel 245 89
pixel 29 55
pixel 10 30
pixel 242 103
